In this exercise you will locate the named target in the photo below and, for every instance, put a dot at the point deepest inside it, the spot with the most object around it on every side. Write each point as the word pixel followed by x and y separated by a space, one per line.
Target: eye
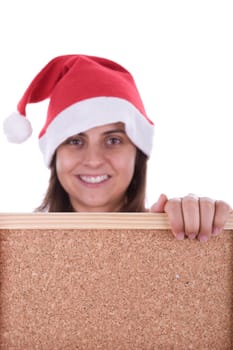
pixel 77 141
pixel 113 140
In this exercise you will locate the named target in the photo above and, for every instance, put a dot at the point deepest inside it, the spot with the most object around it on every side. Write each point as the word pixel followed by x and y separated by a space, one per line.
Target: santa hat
pixel 84 92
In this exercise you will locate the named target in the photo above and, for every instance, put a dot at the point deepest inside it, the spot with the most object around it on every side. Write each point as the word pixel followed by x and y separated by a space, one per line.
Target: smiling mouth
pixel 94 179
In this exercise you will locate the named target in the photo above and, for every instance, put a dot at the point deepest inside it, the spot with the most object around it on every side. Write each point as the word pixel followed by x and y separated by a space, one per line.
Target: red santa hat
pixel 84 92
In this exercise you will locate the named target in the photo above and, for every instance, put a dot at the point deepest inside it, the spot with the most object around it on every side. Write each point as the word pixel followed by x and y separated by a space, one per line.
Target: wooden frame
pixel 112 281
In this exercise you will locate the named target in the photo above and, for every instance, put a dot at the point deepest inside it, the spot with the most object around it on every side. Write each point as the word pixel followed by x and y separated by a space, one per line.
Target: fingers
pixel 184 216
pixel 196 217
pixel 207 213
pixel 158 207
pixel 191 215
pixel 173 208
pixel 222 211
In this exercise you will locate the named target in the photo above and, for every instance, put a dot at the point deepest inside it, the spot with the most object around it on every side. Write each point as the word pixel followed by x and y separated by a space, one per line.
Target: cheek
pixel 126 163
pixel 64 161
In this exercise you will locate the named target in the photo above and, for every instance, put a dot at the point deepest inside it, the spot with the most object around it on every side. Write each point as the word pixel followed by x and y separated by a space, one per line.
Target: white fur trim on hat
pixel 94 112
pixel 17 128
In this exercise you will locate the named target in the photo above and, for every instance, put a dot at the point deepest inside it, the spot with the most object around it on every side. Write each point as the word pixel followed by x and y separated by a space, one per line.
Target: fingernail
pixel 180 236
pixel 216 231
pixel 203 238
pixel 192 235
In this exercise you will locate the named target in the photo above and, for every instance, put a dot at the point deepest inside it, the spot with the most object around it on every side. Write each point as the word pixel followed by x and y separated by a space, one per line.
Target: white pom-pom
pixel 17 128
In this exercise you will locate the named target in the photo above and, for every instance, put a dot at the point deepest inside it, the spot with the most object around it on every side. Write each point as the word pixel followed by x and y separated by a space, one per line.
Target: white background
pixel 180 53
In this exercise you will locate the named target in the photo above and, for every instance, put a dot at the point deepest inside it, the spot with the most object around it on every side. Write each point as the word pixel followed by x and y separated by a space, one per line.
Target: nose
pixel 93 157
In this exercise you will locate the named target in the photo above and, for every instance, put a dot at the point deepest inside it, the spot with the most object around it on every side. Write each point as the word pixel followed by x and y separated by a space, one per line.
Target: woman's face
pixel 96 167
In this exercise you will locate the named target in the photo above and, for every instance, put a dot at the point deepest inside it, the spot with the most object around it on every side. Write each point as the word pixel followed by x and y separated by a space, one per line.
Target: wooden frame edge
pixel 89 221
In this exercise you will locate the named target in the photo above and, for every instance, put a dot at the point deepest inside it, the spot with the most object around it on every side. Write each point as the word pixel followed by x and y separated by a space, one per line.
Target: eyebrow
pixel 114 131
pixel 107 132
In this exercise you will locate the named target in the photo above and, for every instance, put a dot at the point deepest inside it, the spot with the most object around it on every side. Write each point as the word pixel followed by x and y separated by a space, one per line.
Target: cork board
pixel 104 282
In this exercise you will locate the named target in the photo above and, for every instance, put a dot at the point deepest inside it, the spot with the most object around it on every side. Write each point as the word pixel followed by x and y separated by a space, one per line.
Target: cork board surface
pixel 114 289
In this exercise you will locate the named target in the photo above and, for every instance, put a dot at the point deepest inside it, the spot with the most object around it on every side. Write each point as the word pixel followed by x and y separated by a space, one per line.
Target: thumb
pixel 158 207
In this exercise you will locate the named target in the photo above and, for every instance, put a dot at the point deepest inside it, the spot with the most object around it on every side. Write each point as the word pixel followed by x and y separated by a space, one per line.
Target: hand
pixel 194 217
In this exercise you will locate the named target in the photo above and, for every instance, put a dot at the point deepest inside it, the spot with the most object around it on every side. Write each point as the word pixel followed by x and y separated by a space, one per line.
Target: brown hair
pixel 56 198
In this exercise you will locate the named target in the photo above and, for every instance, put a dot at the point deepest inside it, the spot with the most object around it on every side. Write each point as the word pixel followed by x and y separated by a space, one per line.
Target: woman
pixel 97 139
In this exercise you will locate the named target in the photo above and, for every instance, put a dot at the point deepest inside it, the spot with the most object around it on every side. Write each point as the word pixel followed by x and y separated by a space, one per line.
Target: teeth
pixel 94 179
